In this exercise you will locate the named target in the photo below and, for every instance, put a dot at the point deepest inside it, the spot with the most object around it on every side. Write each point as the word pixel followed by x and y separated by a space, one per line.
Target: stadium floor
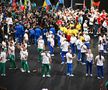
pixel 16 80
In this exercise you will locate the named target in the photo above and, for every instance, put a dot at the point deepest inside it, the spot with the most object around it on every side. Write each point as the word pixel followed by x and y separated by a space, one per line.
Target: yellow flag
pixel 25 3
pixel 44 4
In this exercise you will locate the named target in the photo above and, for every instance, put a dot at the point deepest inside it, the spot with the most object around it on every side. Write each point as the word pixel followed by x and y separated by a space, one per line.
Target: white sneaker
pixel 3 75
pixel 102 77
pixel 43 76
pixel 52 55
pixel 91 75
pixel 44 89
pixel 68 74
pixel 28 71
pixel 62 63
pixel 71 75
pixel 83 63
pixel 86 74
pixel 48 75
pixel 79 60
pixel 22 70
pixel 98 78
pixel 10 68
pixel 105 51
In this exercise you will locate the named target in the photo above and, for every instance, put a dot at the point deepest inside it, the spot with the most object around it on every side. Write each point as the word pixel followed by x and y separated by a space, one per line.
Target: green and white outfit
pixel 24 63
pixel 40 49
pixel 46 64
pixel 3 63
pixel 11 57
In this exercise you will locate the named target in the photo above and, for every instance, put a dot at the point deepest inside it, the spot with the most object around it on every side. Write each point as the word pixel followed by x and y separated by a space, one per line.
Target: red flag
pixel 47 8
pixel 14 4
pixel 22 7
pixel 96 4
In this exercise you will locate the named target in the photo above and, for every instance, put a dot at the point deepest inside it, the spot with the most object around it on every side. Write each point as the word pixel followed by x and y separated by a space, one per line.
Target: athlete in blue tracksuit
pixel 38 33
pixel 53 30
pixel 44 31
pixel 31 34
pixel 59 33
pixel 19 32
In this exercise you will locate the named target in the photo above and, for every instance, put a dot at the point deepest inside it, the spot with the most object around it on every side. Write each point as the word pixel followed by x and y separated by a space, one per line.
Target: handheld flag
pixel 57 5
pixel 14 5
pixel 25 3
pixel 96 4
pixel 44 4
pixel 48 2
pixel 61 1
pixel 21 2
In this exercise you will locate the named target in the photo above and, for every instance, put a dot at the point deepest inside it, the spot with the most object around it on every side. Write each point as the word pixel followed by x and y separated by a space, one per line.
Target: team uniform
pixel 4 46
pixel 46 61
pixel 40 48
pixel 38 33
pixel 69 58
pixel 64 47
pixel 11 56
pixel 101 48
pixel 26 37
pixel 3 63
pixel 24 63
pixel 78 46
pixel 89 62
pixel 73 46
pixel 85 26
pixel 87 40
pixel 100 66
pixel 52 43
pixel 49 35
pixel 83 53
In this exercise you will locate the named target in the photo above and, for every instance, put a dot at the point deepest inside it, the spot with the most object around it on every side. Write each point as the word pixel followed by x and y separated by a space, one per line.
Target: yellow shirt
pixel 78 26
pixel 71 25
pixel 81 38
pixel 61 28
pixel 65 30
pixel 69 32
pixel 75 32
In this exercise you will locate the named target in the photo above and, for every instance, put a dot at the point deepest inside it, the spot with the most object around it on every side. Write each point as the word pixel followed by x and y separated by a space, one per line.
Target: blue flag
pixel 57 5
pixel 61 1
pixel 48 2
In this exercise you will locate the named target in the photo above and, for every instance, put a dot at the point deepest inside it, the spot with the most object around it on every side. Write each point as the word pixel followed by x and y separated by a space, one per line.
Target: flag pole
pixel 91 3
pixel 72 4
